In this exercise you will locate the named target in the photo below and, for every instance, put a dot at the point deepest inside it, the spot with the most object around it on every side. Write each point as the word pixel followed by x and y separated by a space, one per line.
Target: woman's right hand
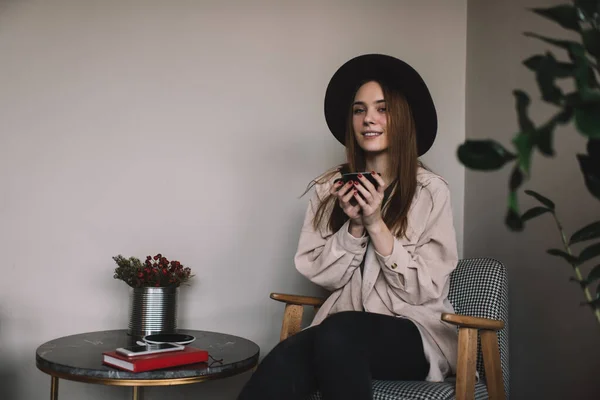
pixel 345 193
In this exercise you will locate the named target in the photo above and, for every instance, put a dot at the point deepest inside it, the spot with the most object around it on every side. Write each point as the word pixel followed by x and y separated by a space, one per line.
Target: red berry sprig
pixel 156 271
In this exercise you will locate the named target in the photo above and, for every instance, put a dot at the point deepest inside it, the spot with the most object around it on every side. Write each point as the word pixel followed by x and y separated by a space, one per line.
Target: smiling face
pixel 369 118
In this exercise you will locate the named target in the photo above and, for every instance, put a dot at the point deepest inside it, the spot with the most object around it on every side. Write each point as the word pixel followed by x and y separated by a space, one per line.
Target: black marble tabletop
pixel 80 356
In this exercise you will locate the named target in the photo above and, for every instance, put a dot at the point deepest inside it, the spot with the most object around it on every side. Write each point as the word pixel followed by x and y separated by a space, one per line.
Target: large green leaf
pixel 593 82
pixel 591 41
pixel 593 149
pixel 561 69
pixel 545 139
pixel 564 15
pixel 534 212
pixel 563 116
pixel 589 252
pixel 544 200
pixel 588 232
pixel 588 95
pixel 513 219
pixel 580 68
pixel 583 97
pixel 484 155
pixel 516 179
pixel 591 173
pixel 585 79
pixel 523 141
pixel 575 50
pixel 545 133
pixel 522 102
pixel 586 108
pixel 559 253
pixel 587 120
pixel 586 7
pixel 545 76
pixel 586 101
pixel 594 275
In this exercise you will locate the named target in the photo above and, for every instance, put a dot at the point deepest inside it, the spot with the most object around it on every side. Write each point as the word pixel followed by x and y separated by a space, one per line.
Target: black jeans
pixel 339 357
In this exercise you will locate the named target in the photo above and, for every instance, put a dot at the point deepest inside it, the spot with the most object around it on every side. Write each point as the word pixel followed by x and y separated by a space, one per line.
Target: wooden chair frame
pixel 468 329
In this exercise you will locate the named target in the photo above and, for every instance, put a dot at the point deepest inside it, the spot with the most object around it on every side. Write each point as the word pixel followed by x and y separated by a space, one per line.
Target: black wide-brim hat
pixel 391 72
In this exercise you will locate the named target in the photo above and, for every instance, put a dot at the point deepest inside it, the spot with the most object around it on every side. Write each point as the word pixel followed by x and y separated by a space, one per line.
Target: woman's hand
pixel 369 199
pixel 345 193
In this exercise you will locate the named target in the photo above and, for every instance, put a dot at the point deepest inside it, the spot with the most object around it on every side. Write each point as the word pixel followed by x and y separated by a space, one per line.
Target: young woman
pixel 385 251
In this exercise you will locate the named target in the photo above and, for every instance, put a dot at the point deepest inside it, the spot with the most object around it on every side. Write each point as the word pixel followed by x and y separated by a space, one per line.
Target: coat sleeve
pixel 329 259
pixel 419 272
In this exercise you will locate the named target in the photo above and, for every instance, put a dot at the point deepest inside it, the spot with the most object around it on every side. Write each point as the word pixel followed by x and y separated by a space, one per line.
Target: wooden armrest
pixel 465 321
pixel 298 300
pixel 470 329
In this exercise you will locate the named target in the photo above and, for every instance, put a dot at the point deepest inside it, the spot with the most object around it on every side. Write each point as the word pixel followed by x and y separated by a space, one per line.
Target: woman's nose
pixel 368 118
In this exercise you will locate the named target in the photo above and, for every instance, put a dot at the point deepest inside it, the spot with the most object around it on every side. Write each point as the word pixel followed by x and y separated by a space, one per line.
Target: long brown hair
pixel 404 160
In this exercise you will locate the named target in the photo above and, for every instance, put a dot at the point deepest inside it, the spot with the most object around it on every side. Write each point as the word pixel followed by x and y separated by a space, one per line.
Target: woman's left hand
pixel 371 199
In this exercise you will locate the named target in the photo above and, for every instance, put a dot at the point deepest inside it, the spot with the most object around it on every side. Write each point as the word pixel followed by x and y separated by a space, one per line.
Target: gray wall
pixel 184 127
pixel 554 342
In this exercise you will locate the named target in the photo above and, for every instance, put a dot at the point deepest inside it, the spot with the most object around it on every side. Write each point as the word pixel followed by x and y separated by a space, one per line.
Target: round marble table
pixel 79 358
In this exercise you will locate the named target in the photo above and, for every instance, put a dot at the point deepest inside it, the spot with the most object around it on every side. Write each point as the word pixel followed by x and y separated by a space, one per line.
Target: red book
pixel 149 362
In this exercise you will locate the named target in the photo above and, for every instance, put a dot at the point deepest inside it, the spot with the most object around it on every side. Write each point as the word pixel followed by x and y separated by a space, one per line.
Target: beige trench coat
pixel 412 282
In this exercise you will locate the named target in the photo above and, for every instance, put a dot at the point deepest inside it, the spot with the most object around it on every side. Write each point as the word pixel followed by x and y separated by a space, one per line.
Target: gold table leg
pixel 137 393
pixel 54 388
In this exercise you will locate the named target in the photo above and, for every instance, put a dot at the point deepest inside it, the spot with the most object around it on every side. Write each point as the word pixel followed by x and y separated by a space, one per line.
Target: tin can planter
pixel 153 310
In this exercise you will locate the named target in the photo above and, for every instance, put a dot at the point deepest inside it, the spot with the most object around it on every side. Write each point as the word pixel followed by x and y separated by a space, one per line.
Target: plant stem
pixel 586 291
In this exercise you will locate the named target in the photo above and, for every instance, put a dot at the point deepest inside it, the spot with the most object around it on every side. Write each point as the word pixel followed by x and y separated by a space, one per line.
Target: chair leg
pixel 466 364
pixel 491 361
pixel 292 321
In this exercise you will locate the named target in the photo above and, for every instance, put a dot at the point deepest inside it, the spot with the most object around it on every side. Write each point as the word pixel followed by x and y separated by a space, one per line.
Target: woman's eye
pixel 358 110
pixel 382 109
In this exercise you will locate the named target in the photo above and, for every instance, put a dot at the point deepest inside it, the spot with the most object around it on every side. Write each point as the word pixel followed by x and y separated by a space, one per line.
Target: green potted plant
pixel 154 291
pixel 581 106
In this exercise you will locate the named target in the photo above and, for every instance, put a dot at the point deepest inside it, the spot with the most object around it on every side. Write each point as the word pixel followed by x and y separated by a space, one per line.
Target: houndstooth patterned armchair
pixel 479 294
